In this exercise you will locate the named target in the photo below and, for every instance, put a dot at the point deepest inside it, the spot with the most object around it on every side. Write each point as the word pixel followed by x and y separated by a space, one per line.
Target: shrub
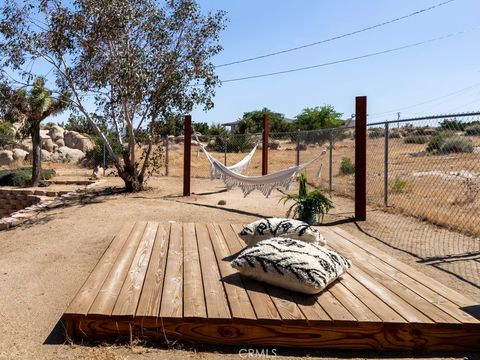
pixel 347 167
pixel 233 143
pixel 473 130
pixel 394 135
pixel 436 142
pixel 398 185
pixel 7 135
pixel 375 133
pixel 22 176
pixel 415 139
pixel 456 144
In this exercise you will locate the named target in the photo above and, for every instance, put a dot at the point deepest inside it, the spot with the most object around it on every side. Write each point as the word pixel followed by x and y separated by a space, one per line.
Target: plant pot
pixel 310 217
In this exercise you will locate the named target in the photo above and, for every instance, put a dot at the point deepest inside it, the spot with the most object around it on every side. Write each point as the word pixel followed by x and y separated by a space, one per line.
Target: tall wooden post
pixel 361 158
pixel 265 145
pixel 187 154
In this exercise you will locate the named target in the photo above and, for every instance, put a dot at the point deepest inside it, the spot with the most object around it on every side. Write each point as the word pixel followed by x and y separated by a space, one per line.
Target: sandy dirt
pixel 42 266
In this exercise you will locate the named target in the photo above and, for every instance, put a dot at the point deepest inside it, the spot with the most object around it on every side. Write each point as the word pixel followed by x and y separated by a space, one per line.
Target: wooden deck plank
pixel 215 297
pixel 434 285
pixel 238 300
pixel 151 296
pixel 351 302
pixel 193 295
pixel 286 306
pixel 88 292
pixel 107 296
pixel 127 301
pixel 172 296
pixel 393 284
pixel 375 305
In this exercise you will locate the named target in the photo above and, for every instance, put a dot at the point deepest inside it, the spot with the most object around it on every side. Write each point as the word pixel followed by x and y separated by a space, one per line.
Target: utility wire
pixel 336 37
pixel 350 59
pixel 458 92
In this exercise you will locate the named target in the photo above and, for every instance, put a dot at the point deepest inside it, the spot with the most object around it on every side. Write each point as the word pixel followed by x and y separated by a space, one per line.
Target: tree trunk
pixel 130 175
pixel 36 154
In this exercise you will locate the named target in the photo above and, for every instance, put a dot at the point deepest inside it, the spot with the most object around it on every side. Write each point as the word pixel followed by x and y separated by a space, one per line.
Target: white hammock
pixel 237 168
pixel 265 183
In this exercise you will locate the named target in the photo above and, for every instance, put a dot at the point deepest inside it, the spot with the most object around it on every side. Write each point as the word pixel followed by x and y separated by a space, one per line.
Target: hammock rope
pixel 232 175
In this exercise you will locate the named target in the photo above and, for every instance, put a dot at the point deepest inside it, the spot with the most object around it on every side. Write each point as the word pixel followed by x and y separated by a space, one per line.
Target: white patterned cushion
pixel 291 264
pixel 280 227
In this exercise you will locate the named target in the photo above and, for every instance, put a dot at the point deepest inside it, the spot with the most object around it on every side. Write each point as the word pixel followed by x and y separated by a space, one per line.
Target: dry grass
pixel 440 197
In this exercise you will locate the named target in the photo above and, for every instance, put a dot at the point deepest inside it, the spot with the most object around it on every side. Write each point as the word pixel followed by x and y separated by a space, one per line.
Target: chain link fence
pixel 428 169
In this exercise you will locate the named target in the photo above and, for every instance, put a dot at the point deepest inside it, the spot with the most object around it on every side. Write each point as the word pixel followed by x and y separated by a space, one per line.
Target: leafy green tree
pixel 202 128
pixel 141 61
pixel 252 122
pixel 318 118
pixel 30 108
pixel 80 123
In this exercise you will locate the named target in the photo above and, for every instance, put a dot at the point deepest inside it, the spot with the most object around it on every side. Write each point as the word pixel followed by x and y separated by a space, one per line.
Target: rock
pixel 19 154
pixel 274 144
pixel 75 140
pixel 171 138
pixel 179 139
pixel 44 134
pixel 47 144
pixel 111 172
pixel 65 154
pixel 60 142
pixel 6 157
pixel 302 147
pixel 46 156
pixel 222 202
pixel 56 133
pixel 25 144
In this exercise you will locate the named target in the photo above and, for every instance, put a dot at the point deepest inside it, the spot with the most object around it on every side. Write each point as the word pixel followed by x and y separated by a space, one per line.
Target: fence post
pixel 166 155
pixel 298 147
pixel 187 155
pixel 330 161
pixel 225 140
pixel 265 145
pixel 385 170
pixel 104 159
pixel 361 158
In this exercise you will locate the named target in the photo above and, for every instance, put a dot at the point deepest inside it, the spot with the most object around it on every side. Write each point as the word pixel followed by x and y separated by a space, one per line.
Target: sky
pixel 439 77
pixel 442 76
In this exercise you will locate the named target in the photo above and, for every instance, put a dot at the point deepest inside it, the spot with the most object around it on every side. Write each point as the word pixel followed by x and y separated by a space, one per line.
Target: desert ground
pixel 44 263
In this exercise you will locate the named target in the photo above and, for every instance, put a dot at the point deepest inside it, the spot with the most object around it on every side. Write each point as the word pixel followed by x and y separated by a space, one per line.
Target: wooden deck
pixel 173 282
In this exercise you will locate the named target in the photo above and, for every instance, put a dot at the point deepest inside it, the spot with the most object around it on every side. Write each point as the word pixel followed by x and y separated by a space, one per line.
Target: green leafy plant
pixel 437 141
pixel 347 167
pixel 398 185
pixel 308 206
pixel 234 143
pixel 22 176
pixel 7 135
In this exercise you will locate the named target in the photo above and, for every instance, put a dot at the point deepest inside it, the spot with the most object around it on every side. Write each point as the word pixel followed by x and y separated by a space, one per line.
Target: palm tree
pixel 30 109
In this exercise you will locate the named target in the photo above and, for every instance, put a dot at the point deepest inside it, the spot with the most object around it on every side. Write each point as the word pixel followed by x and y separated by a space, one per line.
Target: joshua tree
pixel 30 108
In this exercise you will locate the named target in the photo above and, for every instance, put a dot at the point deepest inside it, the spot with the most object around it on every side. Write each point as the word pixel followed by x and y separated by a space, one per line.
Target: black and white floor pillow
pixel 280 227
pixel 291 264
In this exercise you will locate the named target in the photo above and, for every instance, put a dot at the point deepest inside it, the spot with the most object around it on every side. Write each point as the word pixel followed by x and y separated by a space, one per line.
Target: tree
pixel 142 63
pixel 30 109
pixel 252 122
pixel 318 118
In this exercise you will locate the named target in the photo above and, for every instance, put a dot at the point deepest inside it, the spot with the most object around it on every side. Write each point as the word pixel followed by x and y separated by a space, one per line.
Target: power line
pixel 336 37
pixel 426 101
pixel 350 59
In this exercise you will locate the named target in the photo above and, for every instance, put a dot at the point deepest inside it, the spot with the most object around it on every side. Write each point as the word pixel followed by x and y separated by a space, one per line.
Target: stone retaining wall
pixel 14 200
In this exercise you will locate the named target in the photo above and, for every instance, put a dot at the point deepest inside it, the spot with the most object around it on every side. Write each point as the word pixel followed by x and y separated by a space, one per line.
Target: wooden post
pixel 187 154
pixel 361 158
pixel 265 145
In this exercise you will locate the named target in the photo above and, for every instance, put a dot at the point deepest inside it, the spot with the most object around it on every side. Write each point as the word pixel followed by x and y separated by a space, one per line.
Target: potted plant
pixel 310 207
